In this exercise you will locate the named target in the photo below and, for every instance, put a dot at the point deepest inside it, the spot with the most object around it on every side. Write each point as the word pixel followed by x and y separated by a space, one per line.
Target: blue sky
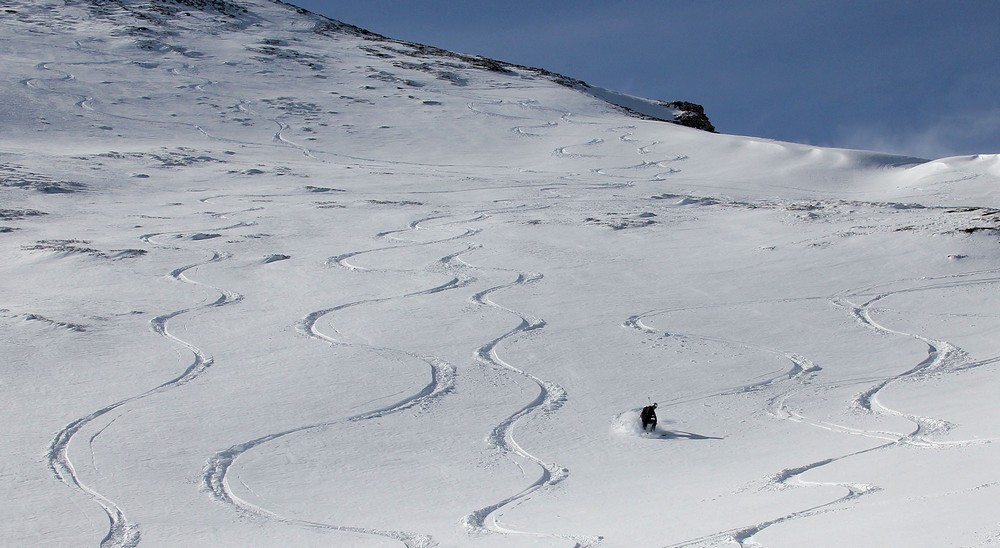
pixel 920 77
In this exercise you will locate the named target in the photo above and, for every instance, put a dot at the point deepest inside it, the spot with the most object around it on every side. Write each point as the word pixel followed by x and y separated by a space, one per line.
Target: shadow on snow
pixel 678 434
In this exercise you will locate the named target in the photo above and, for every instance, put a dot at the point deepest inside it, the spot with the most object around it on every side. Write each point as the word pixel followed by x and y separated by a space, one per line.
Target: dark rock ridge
pixel 690 115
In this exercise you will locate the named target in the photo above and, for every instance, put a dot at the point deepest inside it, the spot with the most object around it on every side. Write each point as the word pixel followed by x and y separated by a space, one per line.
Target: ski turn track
pixel 942 357
pixel 122 533
pixel 441 383
pixel 550 398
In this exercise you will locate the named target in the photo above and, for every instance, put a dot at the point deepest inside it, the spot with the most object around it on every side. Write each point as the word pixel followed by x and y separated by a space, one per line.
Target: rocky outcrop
pixel 690 115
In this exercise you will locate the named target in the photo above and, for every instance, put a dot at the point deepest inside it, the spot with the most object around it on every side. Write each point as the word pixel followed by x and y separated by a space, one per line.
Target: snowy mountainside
pixel 271 279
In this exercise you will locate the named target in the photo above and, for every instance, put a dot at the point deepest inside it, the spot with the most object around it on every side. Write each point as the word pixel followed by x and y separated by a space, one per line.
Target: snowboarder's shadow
pixel 680 435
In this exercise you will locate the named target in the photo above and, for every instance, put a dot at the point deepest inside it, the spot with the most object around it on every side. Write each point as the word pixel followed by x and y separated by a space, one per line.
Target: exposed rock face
pixel 690 115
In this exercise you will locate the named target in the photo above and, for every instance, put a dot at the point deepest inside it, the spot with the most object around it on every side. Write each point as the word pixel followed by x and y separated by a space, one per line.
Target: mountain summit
pixel 161 25
pixel 270 279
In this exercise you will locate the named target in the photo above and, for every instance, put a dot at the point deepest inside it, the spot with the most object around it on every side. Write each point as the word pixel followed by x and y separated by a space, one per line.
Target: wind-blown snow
pixel 272 281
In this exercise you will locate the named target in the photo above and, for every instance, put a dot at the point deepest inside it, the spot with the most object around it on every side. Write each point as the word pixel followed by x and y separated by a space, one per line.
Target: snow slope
pixel 273 281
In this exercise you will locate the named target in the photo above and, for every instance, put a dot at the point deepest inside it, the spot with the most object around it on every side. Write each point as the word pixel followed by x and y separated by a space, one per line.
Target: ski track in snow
pixel 800 369
pixel 442 382
pixel 279 137
pixel 84 102
pixel 122 533
pixel 942 357
pixel 341 260
pixel 625 134
pixel 550 398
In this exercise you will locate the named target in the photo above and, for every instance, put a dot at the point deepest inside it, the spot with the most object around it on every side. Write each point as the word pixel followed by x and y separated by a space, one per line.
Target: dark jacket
pixel 648 414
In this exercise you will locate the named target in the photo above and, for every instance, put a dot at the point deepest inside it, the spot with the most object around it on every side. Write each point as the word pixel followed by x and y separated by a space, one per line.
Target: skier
pixel 648 416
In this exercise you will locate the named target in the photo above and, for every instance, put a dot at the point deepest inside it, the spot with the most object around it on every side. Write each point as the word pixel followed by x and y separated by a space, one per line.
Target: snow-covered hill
pixel 271 280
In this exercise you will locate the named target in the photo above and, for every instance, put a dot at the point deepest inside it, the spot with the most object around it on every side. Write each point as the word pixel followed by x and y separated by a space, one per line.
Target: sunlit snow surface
pixel 268 286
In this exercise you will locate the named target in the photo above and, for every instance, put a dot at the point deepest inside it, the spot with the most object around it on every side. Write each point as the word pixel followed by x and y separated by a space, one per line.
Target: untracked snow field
pixel 268 281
